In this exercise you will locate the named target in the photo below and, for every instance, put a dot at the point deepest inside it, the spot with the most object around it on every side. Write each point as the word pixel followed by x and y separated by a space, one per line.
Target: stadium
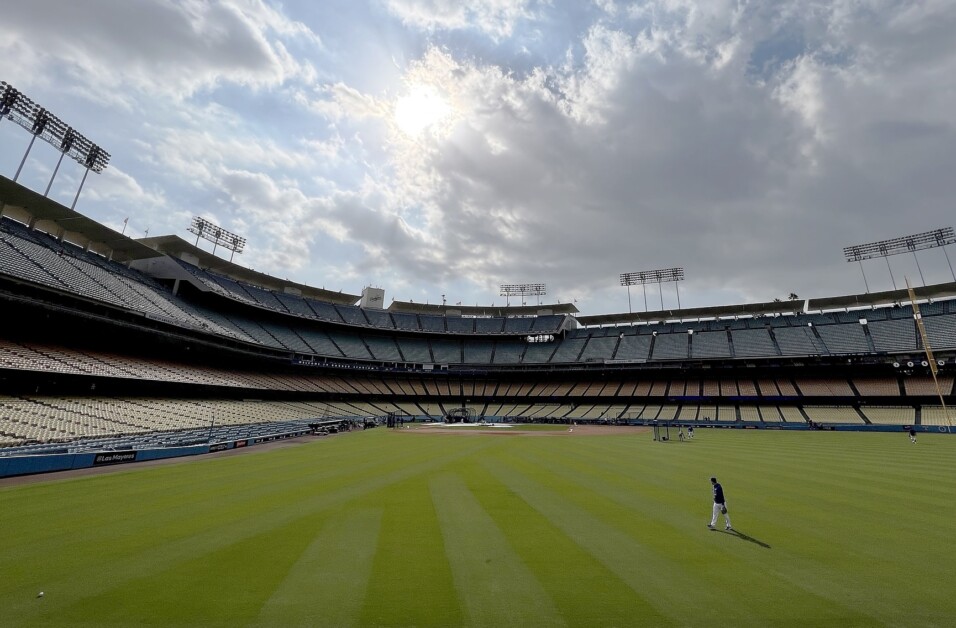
pixel 118 353
pixel 216 345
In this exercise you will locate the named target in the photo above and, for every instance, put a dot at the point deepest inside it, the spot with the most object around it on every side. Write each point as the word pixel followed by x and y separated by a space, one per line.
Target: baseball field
pixel 421 527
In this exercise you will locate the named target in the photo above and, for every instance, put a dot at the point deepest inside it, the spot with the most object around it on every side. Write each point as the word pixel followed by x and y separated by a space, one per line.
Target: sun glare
pixel 422 108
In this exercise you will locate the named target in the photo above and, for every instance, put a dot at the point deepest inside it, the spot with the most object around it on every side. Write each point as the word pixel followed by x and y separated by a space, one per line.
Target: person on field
pixel 690 431
pixel 680 433
pixel 912 435
pixel 720 506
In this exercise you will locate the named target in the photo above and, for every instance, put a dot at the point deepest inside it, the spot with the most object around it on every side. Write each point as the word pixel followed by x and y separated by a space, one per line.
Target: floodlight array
pixel 217 235
pixel 43 124
pixel 523 289
pixel 660 275
pixel 905 244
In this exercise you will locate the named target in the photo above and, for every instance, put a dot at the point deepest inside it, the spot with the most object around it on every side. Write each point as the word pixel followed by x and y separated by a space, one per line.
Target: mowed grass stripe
pixel 842 508
pixel 585 591
pixel 494 586
pixel 760 580
pixel 856 489
pixel 747 459
pixel 697 562
pixel 111 546
pixel 842 504
pixel 327 584
pixel 229 579
pixel 858 527
pixel 840 453
pixel 203 492
pixel 617 544
pixel 411 583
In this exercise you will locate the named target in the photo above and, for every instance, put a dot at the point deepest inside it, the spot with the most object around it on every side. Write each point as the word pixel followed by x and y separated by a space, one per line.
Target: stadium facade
pixel 106 336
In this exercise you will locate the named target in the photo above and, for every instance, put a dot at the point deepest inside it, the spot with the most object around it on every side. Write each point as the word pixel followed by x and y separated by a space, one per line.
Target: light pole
pixel 206 230
pixel 43 124
pixel 658 276
pixel 937 238
pixel 522 290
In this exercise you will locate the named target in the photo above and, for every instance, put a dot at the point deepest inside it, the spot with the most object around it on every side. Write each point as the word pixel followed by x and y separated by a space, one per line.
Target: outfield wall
pixel 48 463
pixel 824 427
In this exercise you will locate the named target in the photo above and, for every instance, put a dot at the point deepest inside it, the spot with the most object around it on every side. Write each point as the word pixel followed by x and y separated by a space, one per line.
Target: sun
pixel 421 109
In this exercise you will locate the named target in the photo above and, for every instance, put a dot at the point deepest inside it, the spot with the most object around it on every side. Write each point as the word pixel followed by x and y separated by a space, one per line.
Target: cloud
pixel 659 147
pixel 339 101
pixel 746 142
pixel 172 48
pixel 496 18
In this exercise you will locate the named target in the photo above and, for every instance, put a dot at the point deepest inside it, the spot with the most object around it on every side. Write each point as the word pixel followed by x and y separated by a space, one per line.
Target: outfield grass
pixel 405 528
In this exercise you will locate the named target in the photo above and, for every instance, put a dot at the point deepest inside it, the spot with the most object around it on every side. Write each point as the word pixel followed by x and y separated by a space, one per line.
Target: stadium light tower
pixel 8 100
pixel 217 235
pixel 631 279
pixel 96 160
pixel 40 119
pixel 658 276
pixel 522 290
pixel 66 144
pixel 905 244
pixel 43 124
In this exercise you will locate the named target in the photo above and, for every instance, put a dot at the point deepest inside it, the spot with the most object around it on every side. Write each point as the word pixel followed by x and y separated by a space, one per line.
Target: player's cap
pixel 713 479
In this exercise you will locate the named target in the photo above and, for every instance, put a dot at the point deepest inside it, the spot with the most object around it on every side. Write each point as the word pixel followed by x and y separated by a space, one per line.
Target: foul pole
pixel 929 353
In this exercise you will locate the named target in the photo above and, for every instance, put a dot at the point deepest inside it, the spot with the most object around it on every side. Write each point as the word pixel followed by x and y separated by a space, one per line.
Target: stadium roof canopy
pixel 887 297
pixel 38 211
pixel 174 246
pixel 720 311
pixel 871 299
pixel 45 214
pixel 482 310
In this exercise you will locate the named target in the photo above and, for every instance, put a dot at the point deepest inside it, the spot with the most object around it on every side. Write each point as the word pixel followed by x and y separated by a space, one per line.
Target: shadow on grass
pixel 742 536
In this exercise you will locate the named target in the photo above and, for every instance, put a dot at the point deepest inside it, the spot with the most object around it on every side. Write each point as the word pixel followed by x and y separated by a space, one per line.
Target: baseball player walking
pixel 720 506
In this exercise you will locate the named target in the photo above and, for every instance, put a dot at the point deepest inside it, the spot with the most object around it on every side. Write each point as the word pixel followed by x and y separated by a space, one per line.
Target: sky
pixel 440 149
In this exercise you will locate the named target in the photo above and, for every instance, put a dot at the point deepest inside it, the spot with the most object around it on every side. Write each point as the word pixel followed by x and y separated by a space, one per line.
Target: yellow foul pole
pixel 929 352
